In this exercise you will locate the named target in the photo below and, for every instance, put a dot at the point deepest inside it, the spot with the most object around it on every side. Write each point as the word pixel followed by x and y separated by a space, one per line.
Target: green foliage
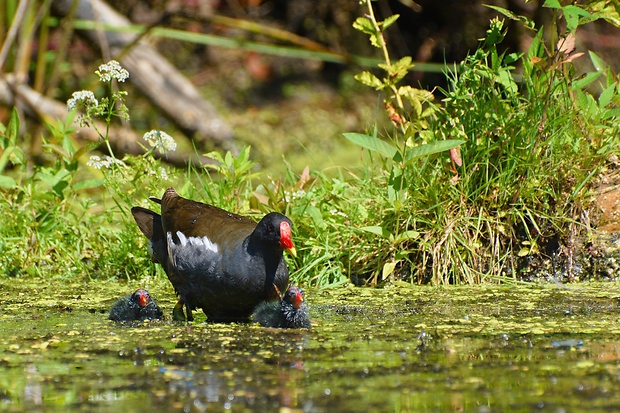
pixel 11 152
pixel 518 170
pixel 460 192
pixel 54 217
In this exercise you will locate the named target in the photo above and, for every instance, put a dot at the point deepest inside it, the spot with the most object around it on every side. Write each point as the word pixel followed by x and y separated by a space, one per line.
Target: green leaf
pixel 372 143
pixel 368 79
pixel 586 80
pixel 505 79
pixel 377 230
pixel 416 97
pixel 229 161
pixel 431 148
pixel 553 4
pixel 599 64
pixel 7 182
pixel 389 21
pixel 605 98
pixel 399 69
pixel 606 9
pixel 528 22
pixel 388 269
pixel 88 184
pixel 13 129
pixel 405 236
pixel 572 14
pixel 10 144
pixel 363 24
pixel 316 216
pixel 67 145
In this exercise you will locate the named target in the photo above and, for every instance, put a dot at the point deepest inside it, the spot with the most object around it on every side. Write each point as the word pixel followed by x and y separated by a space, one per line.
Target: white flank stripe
pixel 203 242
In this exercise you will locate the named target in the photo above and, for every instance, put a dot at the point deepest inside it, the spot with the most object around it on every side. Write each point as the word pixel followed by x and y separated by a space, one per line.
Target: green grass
pixel 464 190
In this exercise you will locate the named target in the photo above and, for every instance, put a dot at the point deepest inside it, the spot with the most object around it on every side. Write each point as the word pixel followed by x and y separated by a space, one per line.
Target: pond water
pixel 397 349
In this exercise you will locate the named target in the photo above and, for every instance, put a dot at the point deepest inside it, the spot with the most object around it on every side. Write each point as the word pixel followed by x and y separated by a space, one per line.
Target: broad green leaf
pixel 505 79
pixel 388 269
pixel 431 148
pixel 7 182
pixel 88 184
pixel 229 160
pixel 572 15
pixel 372 143
pixel 316 216
pixel 377 230
pixel 407 235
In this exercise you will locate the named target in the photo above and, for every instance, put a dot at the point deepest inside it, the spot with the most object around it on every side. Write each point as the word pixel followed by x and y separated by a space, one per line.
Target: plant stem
pixel 386 54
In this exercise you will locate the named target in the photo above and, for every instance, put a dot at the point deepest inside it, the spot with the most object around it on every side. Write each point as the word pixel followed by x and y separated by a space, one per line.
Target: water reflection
pixel 32 394
pixel 265 370
pixel 378 350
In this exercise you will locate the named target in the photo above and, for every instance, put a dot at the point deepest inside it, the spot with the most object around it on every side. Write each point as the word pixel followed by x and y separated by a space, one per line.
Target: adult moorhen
pixel 291 312
pixel 221 262
pixel 137 306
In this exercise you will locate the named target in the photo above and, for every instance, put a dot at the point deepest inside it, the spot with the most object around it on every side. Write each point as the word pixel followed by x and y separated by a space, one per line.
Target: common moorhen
pixel 137 306
pixel 291 312
pixel 221 262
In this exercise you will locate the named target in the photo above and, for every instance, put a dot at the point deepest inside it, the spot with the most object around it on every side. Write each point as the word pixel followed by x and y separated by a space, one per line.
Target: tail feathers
pixel 150 224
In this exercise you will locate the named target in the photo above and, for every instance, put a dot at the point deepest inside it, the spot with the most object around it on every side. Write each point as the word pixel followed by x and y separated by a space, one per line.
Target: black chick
pixel 137 306
pixel 291 312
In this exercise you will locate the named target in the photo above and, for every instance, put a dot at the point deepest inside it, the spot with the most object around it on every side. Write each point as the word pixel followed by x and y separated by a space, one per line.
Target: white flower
pixel 299 194
pixel 112 70
pixel 85 96
pixel 105 162
pixel 160 141
pixel 162 173
pixel 334 211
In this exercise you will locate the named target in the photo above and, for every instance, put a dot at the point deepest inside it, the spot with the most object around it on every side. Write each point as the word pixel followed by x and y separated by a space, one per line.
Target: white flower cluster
pixel 105 162
pixel 334 211
pixel 112 70
pixel 299 194
pixel 162 173
pixel 160 141
pixel 85 96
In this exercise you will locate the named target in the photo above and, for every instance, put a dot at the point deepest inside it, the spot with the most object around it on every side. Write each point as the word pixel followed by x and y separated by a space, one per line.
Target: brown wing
pixel 195 219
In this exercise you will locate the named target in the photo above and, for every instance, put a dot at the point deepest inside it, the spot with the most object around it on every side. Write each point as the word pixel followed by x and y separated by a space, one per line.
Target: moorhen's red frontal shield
pixel 216 260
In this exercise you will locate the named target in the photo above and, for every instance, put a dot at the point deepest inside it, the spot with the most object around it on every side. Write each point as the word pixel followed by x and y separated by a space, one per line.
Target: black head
pixel 275 230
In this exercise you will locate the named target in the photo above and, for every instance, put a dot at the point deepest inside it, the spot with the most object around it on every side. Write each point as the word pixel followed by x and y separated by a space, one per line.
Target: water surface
pixel 400 348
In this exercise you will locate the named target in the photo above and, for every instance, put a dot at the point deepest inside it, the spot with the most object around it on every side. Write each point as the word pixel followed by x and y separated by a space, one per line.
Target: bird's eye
pixel 270 228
